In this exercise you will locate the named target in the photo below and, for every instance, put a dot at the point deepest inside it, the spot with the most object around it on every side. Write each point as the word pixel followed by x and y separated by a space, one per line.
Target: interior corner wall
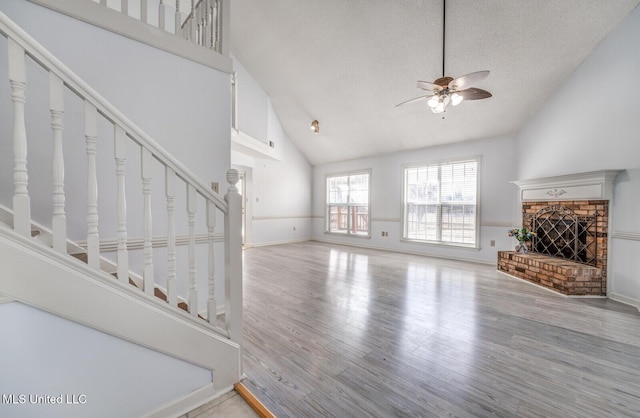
pixel 584 128
pixel 93 374
pixel 281 192
pixel 497 198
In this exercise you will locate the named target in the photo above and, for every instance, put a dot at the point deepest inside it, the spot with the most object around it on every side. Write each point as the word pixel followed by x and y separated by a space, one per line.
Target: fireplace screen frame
pixel 563 233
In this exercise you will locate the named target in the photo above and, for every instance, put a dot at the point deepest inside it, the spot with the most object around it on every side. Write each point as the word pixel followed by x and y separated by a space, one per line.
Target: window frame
pixel 327 205
pixel 439 163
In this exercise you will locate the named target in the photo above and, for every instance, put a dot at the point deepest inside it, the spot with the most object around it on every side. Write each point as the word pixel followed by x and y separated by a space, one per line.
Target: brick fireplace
pixel 570 214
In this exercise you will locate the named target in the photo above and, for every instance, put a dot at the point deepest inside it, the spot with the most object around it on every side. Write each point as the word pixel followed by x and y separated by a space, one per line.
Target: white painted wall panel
pixel 43 354
pixel 252 104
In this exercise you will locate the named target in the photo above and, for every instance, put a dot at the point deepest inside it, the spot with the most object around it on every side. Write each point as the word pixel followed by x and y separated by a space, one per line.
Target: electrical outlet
pixel 294 228
pixel 215 186
pixel 493 243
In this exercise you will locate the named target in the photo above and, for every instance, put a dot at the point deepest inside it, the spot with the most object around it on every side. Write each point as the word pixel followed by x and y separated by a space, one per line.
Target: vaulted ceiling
pixel 348 63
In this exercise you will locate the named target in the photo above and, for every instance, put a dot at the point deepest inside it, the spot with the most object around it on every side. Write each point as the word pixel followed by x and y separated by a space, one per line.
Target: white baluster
pixel 18 80
pixel 203 23
pixel 178 20
pixel 161 17
pixel 233 259
pixel 119 152
pixel 147 161
pixel 144 11
pixel 91 135
pixel 223 19
pixel 191 210
pixel 211 301
pixel 59 221
pixel 193 23
pixel 124 7
pixel 170 191
pixel 215 25
pixel 206 23
pixel 211 42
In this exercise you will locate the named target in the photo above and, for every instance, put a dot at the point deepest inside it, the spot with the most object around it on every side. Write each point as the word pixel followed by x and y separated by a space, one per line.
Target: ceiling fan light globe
pixel 456 99
pixel 445 100
pixel 433 102
pixel 439 108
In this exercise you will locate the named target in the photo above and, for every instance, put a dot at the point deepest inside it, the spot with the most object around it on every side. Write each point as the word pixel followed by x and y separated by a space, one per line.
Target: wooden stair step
pixel 156 291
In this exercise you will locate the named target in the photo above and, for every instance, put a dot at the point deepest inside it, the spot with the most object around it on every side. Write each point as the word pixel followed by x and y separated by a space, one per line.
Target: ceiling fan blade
pixel 414 100
pixel 468 80
pixel 425 85
pixel 473 93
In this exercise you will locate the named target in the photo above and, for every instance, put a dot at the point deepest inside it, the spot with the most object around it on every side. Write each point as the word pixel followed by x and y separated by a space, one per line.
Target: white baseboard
pixel 402 251
pixel 189 402
pixel 288 241
pixel 626 300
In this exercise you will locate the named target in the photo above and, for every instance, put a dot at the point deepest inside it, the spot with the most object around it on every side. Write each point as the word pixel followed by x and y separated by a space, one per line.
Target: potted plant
pixel 522 235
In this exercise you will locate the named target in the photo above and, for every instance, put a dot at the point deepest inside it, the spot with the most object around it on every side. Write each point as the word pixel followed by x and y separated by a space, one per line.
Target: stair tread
pixel 157 292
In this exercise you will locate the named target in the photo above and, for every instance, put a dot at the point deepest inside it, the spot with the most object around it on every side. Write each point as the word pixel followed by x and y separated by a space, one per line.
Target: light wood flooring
pixel 349 332
pixel 230 405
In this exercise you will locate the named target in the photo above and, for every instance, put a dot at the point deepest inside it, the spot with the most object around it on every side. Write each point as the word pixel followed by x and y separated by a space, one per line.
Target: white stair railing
pixel 20 47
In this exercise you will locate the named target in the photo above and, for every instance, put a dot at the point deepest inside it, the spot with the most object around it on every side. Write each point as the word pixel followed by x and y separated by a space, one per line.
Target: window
pixel 348 203
pixel 440 203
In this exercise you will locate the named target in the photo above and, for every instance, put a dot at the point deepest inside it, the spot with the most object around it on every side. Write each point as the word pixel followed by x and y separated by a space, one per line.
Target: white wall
pixel 182 105
pixel 497 198
pixel 279 195
pixel 43 354
pixel 592 123
pixel 282 212
pixel 252 103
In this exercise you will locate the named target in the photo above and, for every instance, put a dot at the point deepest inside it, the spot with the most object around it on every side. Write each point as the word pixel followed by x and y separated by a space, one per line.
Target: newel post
pixel 233 259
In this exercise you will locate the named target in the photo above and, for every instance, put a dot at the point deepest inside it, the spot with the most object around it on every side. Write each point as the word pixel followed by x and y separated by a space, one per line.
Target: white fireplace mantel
pixel 595 185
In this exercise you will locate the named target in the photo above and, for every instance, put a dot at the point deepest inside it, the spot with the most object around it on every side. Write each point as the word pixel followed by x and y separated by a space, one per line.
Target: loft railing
pixel 194 29
pixel 200 22
pixel 203 23
pixel 63 81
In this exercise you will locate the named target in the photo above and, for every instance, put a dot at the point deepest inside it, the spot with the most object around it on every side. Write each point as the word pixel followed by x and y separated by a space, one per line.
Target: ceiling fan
pixel 447 90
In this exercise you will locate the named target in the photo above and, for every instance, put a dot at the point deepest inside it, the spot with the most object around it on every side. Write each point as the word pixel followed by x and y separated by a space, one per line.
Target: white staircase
pixel 44 269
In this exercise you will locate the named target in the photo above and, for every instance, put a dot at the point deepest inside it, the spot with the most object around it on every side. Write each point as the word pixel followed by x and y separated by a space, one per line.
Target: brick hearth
pixel 564 276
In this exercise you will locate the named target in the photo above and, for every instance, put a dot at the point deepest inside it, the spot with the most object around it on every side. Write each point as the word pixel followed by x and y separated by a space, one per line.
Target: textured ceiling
pixel 348 63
